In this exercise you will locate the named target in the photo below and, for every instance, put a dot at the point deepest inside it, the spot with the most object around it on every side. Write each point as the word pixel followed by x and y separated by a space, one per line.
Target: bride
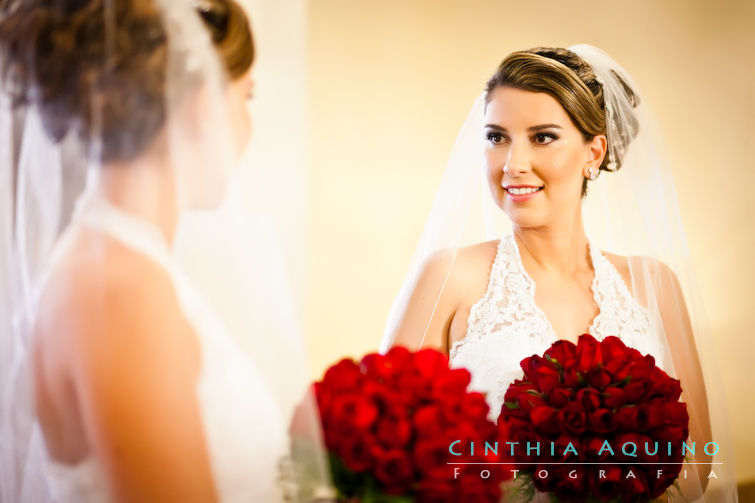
pixel 552 120
pixel 140 393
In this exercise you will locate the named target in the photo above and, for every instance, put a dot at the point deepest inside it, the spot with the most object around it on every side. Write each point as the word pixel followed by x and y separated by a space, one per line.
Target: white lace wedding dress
pixel 506 326
pixel 242 425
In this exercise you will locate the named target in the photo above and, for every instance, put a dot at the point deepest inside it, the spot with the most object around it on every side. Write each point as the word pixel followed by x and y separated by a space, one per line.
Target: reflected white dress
pixel 505 325
pixel 242 424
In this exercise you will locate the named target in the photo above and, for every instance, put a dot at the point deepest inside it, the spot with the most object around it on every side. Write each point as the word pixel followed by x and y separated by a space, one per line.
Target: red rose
pixel 545 420
pixel 674 434
pixel 634 488
pixel 647 450
pixel 397 358
pixel 393 470
pixel 431 457
pixel 563 451
pixel 428 363
pixel 540 372
pixel 353 409
pixel 625 419
pixel 636 390
pixel 637 368
pixel 593 445
pixel 544 484
pixel 615 352
pixel 529 401
pixel 570 483
pixel 394 431
pixel 475 405
pixel 559 397
pixel 588 351
pixel 355 453
pixel 588 399
pixel 598 377
pixel 605 488
pixel 628 446
pixel 376 366
pixel 573 378
pixel 428 420
pixel 563 352
pixel 601 421
pixel 613 397
pixel 343 377
pixel 452 382
pixel 517 388
pixel 573 419
pixel 676 413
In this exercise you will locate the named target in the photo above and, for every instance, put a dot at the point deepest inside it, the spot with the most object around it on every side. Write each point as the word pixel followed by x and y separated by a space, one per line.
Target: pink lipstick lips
pixel 521 193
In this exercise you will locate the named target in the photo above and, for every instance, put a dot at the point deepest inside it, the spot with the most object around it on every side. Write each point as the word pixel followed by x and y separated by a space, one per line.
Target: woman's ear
pixel 596 151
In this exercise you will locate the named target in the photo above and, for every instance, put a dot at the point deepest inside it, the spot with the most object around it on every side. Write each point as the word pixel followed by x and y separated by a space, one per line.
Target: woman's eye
pixel 494 138
pixel 544 138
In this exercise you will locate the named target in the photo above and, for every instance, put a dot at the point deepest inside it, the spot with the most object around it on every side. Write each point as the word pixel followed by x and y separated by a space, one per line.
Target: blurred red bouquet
pixel 595 402
pixel 388 421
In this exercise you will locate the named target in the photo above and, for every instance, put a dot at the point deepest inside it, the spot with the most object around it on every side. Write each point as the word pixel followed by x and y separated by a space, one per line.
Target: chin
pixel 524 218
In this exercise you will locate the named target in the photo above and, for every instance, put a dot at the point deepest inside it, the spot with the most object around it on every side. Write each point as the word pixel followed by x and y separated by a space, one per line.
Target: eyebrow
pixel 533 128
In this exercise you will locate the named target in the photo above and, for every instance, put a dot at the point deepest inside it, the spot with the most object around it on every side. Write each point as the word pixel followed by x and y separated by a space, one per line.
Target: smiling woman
pixel 549 121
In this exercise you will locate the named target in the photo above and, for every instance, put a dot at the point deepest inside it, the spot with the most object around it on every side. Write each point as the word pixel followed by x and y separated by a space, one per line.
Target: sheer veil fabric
pixel 145 144
pixel 632 212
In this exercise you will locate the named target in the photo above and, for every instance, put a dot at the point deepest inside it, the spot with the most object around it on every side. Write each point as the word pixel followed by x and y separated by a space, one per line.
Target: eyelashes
pixel 497 138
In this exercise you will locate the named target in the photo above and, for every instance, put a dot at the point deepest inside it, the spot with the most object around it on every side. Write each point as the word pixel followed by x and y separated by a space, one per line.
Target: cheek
pixel 561 166
pixel 494 165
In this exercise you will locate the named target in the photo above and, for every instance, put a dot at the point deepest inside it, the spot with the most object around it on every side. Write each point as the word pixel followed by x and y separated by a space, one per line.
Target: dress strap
pixel 95 211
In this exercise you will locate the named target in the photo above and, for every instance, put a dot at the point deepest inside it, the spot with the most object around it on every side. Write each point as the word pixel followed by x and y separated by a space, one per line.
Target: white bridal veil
pixel 631 212
pixel 145 73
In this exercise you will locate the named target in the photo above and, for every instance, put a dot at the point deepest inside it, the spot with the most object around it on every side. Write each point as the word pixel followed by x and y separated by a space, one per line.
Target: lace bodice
pixel 242 426
pixel 506 326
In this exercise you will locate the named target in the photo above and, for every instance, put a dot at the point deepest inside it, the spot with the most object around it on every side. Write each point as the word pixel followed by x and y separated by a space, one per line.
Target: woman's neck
pixel 145 188
pixel 560 248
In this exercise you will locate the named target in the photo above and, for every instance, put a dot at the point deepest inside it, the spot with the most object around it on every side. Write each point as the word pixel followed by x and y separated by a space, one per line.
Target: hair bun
pixel 54 56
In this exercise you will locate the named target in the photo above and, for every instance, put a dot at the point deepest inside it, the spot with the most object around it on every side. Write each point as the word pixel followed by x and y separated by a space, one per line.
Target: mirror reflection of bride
pixel 500 277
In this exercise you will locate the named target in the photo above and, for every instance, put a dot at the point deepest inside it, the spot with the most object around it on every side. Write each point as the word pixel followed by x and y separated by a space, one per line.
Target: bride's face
pixel 536 157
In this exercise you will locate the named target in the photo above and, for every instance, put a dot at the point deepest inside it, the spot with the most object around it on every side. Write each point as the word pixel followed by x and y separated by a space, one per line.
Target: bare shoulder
pixel 462 268
pixel 448 282
pixel 644 274
pixel 100 288
pixel 655 268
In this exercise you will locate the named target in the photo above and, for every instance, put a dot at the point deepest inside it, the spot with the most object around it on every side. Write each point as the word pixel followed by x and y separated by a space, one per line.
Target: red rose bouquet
pixel 389 422
pixel 602 416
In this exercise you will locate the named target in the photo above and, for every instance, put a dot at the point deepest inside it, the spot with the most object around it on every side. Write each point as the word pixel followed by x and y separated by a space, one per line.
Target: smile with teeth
pixel 523 190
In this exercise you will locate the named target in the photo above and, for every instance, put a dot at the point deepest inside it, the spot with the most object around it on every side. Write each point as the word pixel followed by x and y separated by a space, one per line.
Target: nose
pixel 517 162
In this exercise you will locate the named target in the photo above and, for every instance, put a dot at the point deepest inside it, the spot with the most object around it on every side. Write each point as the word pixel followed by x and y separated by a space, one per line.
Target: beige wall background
pixel 390 83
